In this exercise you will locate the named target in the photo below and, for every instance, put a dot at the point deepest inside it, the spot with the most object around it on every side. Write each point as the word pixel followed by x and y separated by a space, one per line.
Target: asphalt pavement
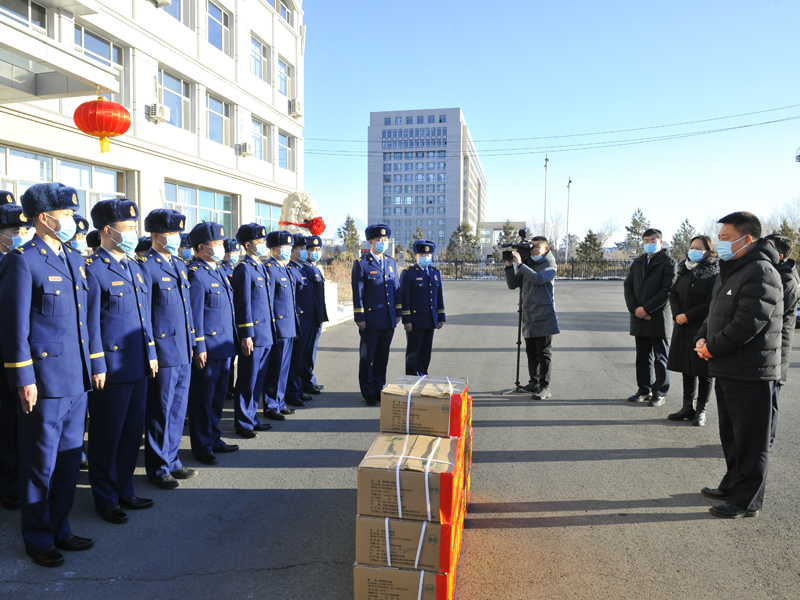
pixel 583 495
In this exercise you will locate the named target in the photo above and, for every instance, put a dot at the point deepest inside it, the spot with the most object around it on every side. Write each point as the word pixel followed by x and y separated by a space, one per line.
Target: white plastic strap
pixel 408 404
pixel 388 548
pixel 397 477
pixel 421 581
pixel 409 457
pixel 427 470
pixel 421 539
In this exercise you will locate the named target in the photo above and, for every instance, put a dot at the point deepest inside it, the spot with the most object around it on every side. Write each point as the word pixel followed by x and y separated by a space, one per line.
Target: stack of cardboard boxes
pixel 413 491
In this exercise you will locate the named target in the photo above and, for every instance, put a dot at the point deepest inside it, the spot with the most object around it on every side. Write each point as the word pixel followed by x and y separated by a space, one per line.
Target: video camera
pixel 523 245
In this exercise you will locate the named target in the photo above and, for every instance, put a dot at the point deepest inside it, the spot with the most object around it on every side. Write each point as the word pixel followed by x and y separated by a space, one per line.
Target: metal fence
pixel 572 269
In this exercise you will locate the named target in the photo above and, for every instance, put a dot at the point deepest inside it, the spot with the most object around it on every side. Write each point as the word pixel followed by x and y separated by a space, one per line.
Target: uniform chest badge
pixel 184 275
pixel 166 279
pixel 53 278
pixel 139 275
pixel 82 272
pixel 116 283
pixel 420 279
pixel 373 272
pixel 214 285
pixel 391 269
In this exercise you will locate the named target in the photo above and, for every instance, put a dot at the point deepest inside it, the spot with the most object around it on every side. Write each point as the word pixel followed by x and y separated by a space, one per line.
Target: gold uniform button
pixel 163 334
pixel 214 333
pixel 58 292
pixel 44 354
pixel 115 348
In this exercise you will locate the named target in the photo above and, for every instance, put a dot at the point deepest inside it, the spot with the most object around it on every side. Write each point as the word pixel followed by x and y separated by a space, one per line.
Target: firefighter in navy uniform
pixel 317 279
pixel 216 341
pixel 304 300
pixel 228 263
pixel 45 344
pixel 376 308
pixel 13 233
pixel 185 251
pixel 122 346
pixel 78 241
pixel 423 307
pixel 93 240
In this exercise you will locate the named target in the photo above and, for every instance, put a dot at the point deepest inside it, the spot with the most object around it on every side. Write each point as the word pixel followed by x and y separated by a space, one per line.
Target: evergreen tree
pixel 417 235
pixel 589 249
pixel 679 246
pixel 351 241
pixel 463 244
pixel 574 240
pixel 508 235
pixel 633 238
pixel 787 230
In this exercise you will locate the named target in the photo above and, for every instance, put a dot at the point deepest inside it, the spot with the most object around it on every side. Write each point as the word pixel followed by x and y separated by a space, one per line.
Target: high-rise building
pixel 214 88
pixel 424 172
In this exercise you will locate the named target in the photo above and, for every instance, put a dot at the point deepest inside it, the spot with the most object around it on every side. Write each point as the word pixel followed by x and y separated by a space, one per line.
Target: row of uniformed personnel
pixel 138 341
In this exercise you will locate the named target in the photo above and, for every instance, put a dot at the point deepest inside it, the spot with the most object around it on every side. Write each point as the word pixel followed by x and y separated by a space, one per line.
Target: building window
pixel 398 200
pixel 419 177
pixel 268 215
pixel 441 176
pixel 430 199
pixel 420 166
pixel 398 210
pixel 441 234
pixel 420 210
pixel 409 200
pixel 431 154
pixel 398 120
pixel 259 59
pixel 431 166
pixel 408 210
pixel 387 120
pixel 176 94
pixel 441 221
pixel 387 168
pixel 419 200
pixel 430 177
pixel 420 120
pixel 285 151
pixel 286 14
pixel 430 188
pixel 441 166
pixel 409 189
pixel 199 205
pixel 218 120
pixel 440 187
pixel 387 156
pixel 284 78
pixel 398 189
pixel 431 120
pixel 25 13
pixel 398 166
pixel 442 118
pixel 101 50
pixel 409 120
pixel 419 188
pixel 219 32
pixel 440 199
pixel 387 212
pixel 409 166
pixel 440 210
pixel 398 156
pixel 387 189
pixel 387 199
pixel 409 177
pixel 442 154
pixel 261 140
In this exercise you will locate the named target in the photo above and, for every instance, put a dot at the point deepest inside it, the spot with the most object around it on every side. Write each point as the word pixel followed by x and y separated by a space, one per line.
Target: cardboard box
pixel 421 458
pixel 388 583
pixel 433 541
pixel 426 406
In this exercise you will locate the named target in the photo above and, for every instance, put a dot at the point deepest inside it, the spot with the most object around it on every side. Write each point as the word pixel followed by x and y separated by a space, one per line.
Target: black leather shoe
pixel 729 511
pixel 207 459
pixel 274 415
pixel 262 427
pixel 10 502
pixel 114 515
pixel 248 434
pixel 714 493
pixel 658 400
pixel 224 448
pixel 700 418
pixel 297 402
pixel 686 412
pixel 637 397
pixel 49 557
pixel 84 465
pixel 165 482
pixel 288 411
pixel 184 473
pixel 312 390
pixel 370 400
pixel 306 398
pixel 74 544
pixel 135 503
pixel 533 388
pixel 542 394
pixel 319 387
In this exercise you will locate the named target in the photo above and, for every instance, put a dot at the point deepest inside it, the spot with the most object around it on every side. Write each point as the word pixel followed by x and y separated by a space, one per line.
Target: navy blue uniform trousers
pixel 115 434
pixel 373 359
pixel 419 344
pixel 50 442
pixel 167 395
pixel 250 386
pixel 280 357
pixel 207 393
pixel 301 351
pixel 651 355
pixel 9 450
pixel 307 371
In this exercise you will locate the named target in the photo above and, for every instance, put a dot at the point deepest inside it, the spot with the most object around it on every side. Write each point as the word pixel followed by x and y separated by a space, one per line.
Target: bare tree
pixel 711 227
pixel 552 230
pixel 606 231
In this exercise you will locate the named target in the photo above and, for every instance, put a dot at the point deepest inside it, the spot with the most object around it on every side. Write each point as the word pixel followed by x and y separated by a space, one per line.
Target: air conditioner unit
pixel 245 149
pixel 160 3
pixel 159 113
pixel 295 108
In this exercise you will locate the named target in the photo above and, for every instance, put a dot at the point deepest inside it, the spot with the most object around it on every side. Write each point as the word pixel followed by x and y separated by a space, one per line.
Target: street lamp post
pixel 566 239
pixel 544 223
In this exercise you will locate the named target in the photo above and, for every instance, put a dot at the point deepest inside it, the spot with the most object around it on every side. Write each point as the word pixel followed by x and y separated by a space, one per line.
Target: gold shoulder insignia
pixel 18 249
pixel 193 268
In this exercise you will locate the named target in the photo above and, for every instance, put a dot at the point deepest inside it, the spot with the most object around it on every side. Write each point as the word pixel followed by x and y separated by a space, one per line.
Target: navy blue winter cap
pixel 81 225
pixel 93 238
pixel 299 240
pixel 46 197
pixel 231 245
pixel 378 230
pixel 6 197
pixel 11 216
pixel 249 232
pixel 163 220
pixel 185 243
pixel 280 238
pixel 145 243
pixel 202 233
pixel 424 247
pixel 313 241
pixel 114 211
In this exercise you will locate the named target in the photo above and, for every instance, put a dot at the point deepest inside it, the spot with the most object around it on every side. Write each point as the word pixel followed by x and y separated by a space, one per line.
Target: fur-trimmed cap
pixel 313 241
pixel 163 220
pixel 299 240
pixel 202 233
pixel 93 238
pixel 6 197
pixel 424 247
pixel 115 210
pixel 231 245
pixel 280 238
pixel 46 197
pixel 185 241
pixel 81 225
pixel 11 216
pixel 249 232
pixel 144 245
pixel 378 230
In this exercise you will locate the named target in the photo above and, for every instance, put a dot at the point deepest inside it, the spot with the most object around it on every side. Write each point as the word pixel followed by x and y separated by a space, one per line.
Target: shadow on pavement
pixel 260 458
pixel 572 423
pixel 524 456
pixel 594 321
pixel 674 500
pixel 582 520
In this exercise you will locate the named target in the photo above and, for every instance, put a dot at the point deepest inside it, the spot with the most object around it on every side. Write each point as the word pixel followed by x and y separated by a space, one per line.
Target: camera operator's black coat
pixel 538 306
pixel 691 296
pixel 648 286
pixel 791 296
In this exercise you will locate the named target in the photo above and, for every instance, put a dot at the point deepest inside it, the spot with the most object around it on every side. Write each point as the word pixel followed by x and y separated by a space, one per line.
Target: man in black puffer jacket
pixel 741 339
pixel 791 296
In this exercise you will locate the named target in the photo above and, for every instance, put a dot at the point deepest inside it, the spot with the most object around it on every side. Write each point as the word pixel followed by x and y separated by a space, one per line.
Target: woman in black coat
pixel 689 299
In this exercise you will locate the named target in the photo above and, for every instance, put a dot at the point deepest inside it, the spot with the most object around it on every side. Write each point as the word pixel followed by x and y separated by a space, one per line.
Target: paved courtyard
pixel 580 496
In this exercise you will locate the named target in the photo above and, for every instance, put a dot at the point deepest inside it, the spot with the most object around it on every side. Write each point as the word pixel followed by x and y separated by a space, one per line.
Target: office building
pixel 214 89
pixel 424 172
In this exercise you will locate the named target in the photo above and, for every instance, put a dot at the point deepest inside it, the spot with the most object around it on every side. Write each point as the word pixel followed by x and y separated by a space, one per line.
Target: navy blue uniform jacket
pixel 252 302
pixel 213 312
pixel 304 297
pixel 421 294
pixel 376 292
pixel 281 293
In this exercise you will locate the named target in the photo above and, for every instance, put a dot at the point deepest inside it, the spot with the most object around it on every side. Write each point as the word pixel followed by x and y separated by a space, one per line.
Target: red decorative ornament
pixel 315 226
pixel 102 118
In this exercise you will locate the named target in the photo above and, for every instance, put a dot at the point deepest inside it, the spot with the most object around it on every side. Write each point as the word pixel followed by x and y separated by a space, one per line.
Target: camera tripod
pixel 518 389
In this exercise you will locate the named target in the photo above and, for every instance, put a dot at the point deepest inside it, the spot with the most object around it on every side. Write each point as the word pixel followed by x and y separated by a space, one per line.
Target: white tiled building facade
pixel 229 71
pixel 424 172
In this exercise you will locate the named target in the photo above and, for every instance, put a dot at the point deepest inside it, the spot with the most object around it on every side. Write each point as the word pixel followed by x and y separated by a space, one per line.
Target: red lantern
pixel 104 119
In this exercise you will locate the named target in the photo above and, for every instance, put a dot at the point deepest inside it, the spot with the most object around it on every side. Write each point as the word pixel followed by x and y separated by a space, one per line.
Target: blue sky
pixel 530 69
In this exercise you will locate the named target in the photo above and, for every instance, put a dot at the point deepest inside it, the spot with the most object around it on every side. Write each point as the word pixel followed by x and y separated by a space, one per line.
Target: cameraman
pixel 534 268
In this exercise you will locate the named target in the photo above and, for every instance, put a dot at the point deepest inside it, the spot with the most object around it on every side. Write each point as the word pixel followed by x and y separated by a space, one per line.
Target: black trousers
pixel 419 344
pixel 539 351
pixel 690 389
pixel 745 424
pixel 651 355
pixel 373 359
